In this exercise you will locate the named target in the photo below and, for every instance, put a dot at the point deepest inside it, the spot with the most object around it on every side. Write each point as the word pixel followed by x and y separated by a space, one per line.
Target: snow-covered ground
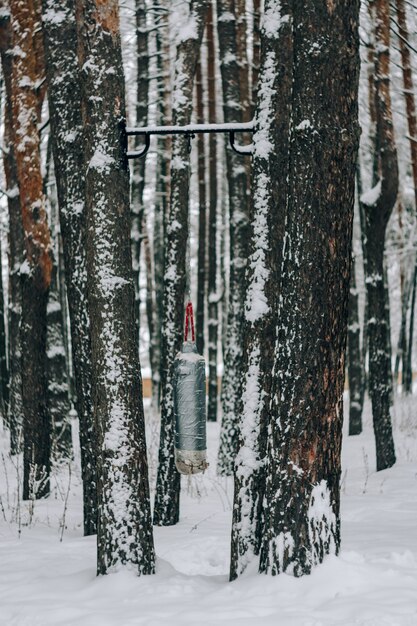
pixel 48 582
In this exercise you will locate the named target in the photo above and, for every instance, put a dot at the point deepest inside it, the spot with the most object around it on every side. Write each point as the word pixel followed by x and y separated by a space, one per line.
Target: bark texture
pixel 407 72
pixel 15 407
pixel 355 375
pixel 37 266
pixel 213 298
pixel 64 96
pixel 238 219
pixel 138 179
pixel 124 530
pixel 301 501
pixel 377 205
pixel 202 221
pixel 166 510
pixel 271 145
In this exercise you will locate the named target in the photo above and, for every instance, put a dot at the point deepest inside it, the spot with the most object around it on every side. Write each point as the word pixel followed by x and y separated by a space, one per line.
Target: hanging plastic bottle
pixel 189 379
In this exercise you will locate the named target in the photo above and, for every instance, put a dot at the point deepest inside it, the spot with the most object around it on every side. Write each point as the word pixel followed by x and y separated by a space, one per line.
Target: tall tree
pixel 124 530
pixel 407 72
pixel 355 375
pixel 37 267
pixel 138 179
pixel 300 522
pixel 15 238
pixel 64 96
pixel 377 205
pixel 202 208
pixel 166 510
pixel 271 145
pixel 213 298
pixel 238 218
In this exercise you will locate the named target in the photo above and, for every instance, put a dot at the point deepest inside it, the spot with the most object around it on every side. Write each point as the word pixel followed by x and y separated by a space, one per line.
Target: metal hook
pixel 242 150
pixel 189 137
pixel 138 154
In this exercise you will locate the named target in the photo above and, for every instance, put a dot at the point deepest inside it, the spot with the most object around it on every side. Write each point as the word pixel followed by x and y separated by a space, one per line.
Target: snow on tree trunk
pixel 138 179
pixel 238 218
pixel 15 237
pixel 161 189
pixel 37 265
pixel 64 97
pixel 202 207
pixel 407 72
pixel 213 298
pixel 301 500
pixel 265 252
pixel 377 205
pixel 355 376
pixel 124 528
pixel 58 388
pixel 4 372
pixel 166 510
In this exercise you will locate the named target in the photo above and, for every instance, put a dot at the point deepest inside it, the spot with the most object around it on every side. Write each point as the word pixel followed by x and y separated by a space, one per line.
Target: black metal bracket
pixel 190 131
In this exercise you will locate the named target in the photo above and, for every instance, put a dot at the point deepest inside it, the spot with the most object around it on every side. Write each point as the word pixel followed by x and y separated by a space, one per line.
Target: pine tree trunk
pixel 15 409
pixel 166 510
pixel 124 529
pixel 4 371
pixel 256 49
pixel 301 501
pixel 213 298
pixel 58 388
pixel 377 205
pixel 138 179
pixel 354 359
pixel 202 216
pixel 37 267
pixel 412 131
pixel 272 122
pixel 238 218
pixel 161 191
pixel 64 97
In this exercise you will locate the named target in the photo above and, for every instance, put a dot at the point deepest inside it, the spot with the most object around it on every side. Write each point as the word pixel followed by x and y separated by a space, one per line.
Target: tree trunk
pixel 377 205
pixel 138 180
pixel 166 510
pixel 238 218
pixel 64 97
pixel 272 123
pixel 161 192
pixel 256 49
pixel 407 72
pixel 58 388
pixel 301 501
pixel 213 298
pixel 14 389
pixel 202 221
pixel 37 267
pixel 124 529
pixel 354 359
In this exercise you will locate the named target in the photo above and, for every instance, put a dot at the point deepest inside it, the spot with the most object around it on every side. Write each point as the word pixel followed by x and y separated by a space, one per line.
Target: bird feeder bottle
pixel 189 382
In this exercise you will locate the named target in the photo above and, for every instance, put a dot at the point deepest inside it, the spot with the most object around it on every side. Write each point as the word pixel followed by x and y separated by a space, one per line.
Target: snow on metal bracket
pixel 190 130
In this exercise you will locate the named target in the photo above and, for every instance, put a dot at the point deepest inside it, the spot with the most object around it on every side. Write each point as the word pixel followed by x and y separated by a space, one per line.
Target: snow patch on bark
pixel 371 197
pixel 322 525
pixel 273 19
pixel 256 301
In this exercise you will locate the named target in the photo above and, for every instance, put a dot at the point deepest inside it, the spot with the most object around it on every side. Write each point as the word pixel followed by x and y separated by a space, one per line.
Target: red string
pixel 189 321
